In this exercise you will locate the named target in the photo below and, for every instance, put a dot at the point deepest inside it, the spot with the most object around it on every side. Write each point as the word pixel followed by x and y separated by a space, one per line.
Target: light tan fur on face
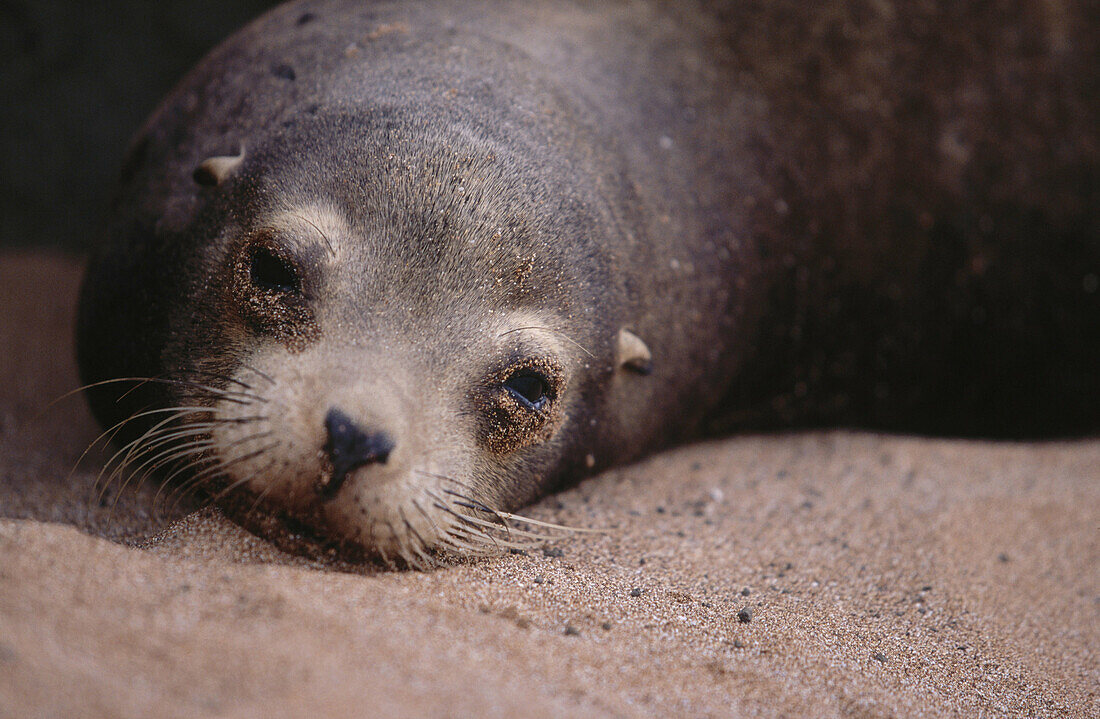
pixel 304 223
pixel 382 506
pixel 426 495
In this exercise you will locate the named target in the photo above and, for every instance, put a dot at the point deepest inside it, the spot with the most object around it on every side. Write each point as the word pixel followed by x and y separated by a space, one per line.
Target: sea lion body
pixel 407 264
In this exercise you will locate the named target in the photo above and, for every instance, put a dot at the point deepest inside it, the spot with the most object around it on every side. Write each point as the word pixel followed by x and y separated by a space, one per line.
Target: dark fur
pixel 872 214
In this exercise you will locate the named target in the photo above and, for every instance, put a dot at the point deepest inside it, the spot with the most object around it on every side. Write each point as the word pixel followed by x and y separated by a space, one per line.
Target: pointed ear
pixel 633 354
pixel 214 170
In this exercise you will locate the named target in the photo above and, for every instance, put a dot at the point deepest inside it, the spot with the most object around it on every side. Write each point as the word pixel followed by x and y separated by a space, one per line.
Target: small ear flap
pixel 633 354
pixel 214 170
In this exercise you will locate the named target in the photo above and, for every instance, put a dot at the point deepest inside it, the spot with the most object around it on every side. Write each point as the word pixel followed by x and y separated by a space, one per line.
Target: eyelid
pixel 548 369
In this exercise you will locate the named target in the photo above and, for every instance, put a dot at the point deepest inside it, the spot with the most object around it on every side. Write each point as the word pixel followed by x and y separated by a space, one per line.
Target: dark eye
pixel 529 388
pixel 270 272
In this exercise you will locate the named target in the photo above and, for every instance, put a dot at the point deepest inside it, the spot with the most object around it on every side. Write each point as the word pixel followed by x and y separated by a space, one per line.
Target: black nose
pixel 348 447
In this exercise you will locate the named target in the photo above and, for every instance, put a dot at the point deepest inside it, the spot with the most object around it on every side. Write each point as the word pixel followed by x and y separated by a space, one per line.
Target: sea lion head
pixel 389 331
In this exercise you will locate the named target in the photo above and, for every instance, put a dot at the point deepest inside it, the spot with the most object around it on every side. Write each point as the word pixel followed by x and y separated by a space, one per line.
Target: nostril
pixel 350 446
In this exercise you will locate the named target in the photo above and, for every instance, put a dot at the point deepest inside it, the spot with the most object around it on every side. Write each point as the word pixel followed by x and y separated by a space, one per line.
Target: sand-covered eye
pixel 530 388
pixel 522 404
pixel 267 271
pixel 267 284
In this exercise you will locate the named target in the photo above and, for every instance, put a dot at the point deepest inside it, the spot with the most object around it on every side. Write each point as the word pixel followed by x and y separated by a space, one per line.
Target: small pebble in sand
pixel 1002 557
pixel 738 644
pixel 636 592
pixel 745 615
pixel 879 656
pixel 605 626
pixel 571 631
pixel 746 592
pixel 539 579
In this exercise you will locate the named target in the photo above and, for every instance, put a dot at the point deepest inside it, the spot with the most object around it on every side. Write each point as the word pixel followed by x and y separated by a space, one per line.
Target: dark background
pixel 77 78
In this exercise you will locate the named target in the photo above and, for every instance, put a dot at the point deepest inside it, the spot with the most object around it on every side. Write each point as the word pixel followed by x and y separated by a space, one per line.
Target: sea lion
pixel 383 271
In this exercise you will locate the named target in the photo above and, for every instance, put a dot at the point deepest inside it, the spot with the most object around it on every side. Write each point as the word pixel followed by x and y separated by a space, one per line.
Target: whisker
pixel 393 533
pixel 156 441
pixel 191 465
pixel 219 465
pixel 229 395
pixel 155 437
pixel 382 551
pixel 416 549
pixel 440 504
pixel 157 380
pixel 499 543
pixel 258 373
pixel 457 544
pixel 200 475
pixel 260 497
pixel 169 455
pixel 112 431
pixel 502 521
pixel 222 377
pixel 479 505
pixel 549 525
pixel 561 334
pixel 131 446
pixel 502 516
pixel 177 453
pixel 244 458
pixel 151 435
pixel 331 249
pixel 435 527
pixel 471 503
pixel 509 531
pixel 172 454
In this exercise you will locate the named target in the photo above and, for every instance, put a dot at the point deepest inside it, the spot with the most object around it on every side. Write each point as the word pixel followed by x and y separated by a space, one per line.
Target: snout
pixel 348 447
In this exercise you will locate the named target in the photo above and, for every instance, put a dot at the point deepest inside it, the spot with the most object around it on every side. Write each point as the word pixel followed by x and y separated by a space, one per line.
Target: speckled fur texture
pixel 866 213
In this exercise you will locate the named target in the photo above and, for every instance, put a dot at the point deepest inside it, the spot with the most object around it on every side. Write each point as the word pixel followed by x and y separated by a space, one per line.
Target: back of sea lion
pixel 395 267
